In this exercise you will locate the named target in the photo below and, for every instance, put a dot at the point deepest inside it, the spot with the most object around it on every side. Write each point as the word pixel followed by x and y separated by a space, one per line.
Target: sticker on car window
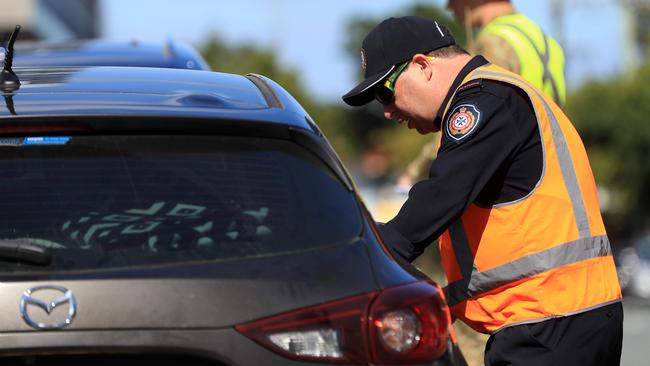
pixel 46 140
pixel 11 141
pixel 40 140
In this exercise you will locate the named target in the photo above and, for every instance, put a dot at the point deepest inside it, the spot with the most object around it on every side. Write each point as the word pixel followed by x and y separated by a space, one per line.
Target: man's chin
pixel 423 130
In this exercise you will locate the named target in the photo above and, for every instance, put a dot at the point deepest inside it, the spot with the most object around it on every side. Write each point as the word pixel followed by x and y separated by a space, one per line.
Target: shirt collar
pixel 475 62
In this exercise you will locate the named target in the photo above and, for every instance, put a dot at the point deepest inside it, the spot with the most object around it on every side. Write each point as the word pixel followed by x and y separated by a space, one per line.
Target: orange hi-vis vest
pixel 543 256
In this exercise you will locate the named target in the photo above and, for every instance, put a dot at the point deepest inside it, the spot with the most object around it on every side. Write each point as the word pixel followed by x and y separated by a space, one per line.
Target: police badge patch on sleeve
pixel 464 119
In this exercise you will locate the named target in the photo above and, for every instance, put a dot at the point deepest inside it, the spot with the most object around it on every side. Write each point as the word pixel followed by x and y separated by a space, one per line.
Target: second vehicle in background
pixel 170 54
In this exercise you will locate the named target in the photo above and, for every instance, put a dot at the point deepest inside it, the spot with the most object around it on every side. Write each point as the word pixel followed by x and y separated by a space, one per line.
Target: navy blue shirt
pixel 490 153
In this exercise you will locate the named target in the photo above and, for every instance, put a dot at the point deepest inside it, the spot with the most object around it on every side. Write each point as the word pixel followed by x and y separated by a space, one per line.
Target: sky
pixel 309 35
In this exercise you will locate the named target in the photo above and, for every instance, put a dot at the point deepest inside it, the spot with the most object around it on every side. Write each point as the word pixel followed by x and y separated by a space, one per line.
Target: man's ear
pixel 424 63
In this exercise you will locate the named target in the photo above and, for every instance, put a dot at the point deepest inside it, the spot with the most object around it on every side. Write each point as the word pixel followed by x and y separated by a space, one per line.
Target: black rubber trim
pixel 138 125
pixel 271 98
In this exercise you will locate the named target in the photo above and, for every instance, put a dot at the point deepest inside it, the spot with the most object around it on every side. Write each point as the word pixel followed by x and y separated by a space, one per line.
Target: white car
pixel 634 267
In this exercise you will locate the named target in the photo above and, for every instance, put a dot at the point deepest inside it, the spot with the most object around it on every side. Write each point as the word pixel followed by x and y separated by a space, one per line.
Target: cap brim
pixel 364 92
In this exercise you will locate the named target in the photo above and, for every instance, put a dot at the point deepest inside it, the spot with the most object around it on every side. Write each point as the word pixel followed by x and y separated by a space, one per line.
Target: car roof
pixel 63 100
pixel 149 92
pixel 98 52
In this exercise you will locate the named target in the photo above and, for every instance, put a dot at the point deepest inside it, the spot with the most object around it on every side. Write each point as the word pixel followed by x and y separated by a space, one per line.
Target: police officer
pixel 511 196
pixel 508 39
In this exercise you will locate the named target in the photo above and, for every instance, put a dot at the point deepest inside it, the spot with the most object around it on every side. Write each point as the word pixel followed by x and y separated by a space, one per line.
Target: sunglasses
pixel 385 94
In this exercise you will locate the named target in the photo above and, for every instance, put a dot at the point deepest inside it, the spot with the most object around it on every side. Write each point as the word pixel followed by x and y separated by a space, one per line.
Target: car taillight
pixel 404 324
pixel 333 332
pixel 409 325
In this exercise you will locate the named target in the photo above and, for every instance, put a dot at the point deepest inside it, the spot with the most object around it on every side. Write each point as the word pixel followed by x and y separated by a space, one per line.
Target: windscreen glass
pixel 102 202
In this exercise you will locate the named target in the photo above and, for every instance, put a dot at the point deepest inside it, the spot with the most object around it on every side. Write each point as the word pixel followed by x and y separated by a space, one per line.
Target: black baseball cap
pixel 392 42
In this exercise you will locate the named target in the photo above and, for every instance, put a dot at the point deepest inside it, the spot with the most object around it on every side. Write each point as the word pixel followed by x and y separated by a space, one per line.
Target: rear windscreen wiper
pixel 21 251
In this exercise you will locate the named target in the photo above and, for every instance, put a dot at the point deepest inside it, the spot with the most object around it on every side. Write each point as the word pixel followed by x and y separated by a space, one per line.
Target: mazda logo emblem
pixel 29 297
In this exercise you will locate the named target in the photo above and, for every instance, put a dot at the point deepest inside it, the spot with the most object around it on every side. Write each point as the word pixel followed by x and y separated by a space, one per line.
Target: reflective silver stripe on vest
pixel 524 267
pixel 563 154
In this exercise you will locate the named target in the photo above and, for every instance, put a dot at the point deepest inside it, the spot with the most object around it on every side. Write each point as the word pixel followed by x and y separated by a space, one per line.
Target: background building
pixel 51 19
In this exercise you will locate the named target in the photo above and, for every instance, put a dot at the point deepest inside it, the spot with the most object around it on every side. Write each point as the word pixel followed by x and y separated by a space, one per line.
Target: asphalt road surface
pixel 636 332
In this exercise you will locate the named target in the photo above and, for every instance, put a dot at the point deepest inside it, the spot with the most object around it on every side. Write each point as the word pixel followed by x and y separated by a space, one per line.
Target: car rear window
pixel 123 201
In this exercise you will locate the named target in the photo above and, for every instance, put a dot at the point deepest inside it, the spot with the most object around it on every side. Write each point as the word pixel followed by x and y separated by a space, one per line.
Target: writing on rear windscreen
pixel 53 140
pixel 40 140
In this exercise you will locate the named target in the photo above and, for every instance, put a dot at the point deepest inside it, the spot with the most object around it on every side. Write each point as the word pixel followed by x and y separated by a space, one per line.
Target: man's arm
pixel 467 160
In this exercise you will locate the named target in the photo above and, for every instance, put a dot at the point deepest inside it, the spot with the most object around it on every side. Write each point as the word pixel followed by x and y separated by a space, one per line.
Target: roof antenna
pixel 8 78
pixel 9 101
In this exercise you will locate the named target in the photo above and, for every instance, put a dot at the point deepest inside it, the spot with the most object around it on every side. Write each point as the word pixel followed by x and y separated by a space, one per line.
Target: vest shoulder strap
pixel 527 32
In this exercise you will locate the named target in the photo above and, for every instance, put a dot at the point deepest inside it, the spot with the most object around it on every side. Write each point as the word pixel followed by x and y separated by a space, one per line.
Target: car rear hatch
pixel 156 232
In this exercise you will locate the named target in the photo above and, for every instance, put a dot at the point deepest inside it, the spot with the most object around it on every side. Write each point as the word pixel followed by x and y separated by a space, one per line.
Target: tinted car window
pixel 115 201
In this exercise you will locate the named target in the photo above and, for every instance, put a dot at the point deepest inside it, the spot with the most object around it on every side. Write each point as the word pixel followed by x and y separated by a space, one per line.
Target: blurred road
pixel 636 332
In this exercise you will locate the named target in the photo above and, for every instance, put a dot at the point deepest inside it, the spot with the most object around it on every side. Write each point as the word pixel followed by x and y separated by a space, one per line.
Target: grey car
pixel 164 216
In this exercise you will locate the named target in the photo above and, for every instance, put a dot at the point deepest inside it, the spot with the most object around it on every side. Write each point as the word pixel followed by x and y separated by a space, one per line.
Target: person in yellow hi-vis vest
pixel 511 196
pixel 508 39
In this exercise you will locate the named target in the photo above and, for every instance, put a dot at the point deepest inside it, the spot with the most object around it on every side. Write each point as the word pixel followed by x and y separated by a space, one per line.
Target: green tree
pixel 611 117
pixel 244 59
